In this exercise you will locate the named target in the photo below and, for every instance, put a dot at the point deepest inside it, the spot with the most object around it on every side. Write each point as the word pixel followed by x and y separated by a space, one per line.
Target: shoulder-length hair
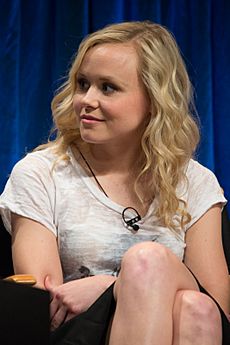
pixel 171 136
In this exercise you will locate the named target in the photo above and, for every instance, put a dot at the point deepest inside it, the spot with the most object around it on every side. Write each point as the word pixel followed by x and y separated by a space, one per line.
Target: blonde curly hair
pixel 172 134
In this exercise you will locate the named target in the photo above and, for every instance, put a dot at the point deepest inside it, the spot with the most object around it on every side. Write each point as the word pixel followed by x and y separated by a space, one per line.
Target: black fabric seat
pixel 6 265
pixel 226 235
pixel 24 311
pixel 24 315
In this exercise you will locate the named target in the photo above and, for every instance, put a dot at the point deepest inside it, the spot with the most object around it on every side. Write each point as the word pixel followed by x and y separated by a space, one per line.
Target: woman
pixel 117 200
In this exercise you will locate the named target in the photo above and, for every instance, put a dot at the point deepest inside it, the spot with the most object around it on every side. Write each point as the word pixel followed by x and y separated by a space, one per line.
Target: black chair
pixel 24 315
pixel 226 236
pixel 6 264
pixel 24 311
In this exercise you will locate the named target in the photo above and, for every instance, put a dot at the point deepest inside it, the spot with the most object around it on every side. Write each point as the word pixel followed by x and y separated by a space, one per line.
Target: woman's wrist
pixel 107 280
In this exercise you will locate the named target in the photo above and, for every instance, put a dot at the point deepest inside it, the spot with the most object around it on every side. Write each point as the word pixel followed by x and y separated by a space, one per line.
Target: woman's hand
pixel 73 298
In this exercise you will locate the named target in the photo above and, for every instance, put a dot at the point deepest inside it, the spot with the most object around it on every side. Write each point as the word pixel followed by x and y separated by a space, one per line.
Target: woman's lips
pixel 89 119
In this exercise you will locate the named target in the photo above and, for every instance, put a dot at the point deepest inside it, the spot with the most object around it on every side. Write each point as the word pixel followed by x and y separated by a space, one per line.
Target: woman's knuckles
pixel 76 309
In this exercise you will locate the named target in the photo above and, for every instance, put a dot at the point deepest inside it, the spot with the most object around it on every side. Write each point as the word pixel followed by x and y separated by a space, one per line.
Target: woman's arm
pixel 35 251
pixel 204 256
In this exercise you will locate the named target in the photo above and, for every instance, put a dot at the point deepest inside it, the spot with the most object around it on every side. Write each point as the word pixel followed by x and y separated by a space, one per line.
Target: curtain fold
pixel 39 38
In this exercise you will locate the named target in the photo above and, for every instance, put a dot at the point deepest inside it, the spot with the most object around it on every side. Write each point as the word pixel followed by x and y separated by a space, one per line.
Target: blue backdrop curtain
pixel 38 39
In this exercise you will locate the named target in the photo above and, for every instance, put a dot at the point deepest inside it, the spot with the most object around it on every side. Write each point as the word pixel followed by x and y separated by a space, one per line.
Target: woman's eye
pixel 82 84
pixel 108 88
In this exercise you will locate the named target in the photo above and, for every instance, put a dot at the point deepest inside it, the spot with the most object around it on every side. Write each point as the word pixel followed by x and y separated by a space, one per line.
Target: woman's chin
pixel 90 139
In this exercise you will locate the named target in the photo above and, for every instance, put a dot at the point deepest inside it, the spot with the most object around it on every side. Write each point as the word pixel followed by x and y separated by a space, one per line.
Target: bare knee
pixel 143 266
pixel 199 315
pixel 145 263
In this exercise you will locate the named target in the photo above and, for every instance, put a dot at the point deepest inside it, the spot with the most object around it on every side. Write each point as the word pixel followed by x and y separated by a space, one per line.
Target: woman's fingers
pixel 54 306
pixel 58 318
pixel 49 285
pixel 54 303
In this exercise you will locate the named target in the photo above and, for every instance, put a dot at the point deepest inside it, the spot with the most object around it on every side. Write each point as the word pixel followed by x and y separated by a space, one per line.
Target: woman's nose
pixel 91 98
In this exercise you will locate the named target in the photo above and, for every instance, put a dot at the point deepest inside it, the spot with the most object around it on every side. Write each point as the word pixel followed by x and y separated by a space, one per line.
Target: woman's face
pixel 110 101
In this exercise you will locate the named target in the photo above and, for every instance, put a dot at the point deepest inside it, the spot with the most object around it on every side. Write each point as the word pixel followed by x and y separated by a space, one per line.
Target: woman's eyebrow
pixel 103 78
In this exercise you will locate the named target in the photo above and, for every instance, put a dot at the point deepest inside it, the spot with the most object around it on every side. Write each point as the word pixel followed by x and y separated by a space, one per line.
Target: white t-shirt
pixel 92 235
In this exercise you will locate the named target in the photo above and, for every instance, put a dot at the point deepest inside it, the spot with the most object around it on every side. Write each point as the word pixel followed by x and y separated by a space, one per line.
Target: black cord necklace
pixel 92 172
pixel 129 222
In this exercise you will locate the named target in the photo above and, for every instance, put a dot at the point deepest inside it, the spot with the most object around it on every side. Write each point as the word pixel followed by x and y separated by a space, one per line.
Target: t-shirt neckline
pixel 99 195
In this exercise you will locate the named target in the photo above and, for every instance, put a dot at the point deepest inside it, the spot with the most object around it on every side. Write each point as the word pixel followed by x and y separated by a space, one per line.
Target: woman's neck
pixel 103 158
pixel 116 172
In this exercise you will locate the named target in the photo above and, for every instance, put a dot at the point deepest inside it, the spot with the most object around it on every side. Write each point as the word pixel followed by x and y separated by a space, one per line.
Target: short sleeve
pixel 30 192
pixel 203 191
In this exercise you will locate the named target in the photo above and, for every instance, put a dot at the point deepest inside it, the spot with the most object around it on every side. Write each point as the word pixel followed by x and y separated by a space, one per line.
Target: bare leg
pixel 196 320
pixel 145 291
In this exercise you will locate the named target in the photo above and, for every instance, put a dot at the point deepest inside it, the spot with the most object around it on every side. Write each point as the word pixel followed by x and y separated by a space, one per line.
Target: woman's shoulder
pixel 40 161
pixel 194 168
pixel 45 156
pixel 199 175
pixel 201 190
pixel 47 165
